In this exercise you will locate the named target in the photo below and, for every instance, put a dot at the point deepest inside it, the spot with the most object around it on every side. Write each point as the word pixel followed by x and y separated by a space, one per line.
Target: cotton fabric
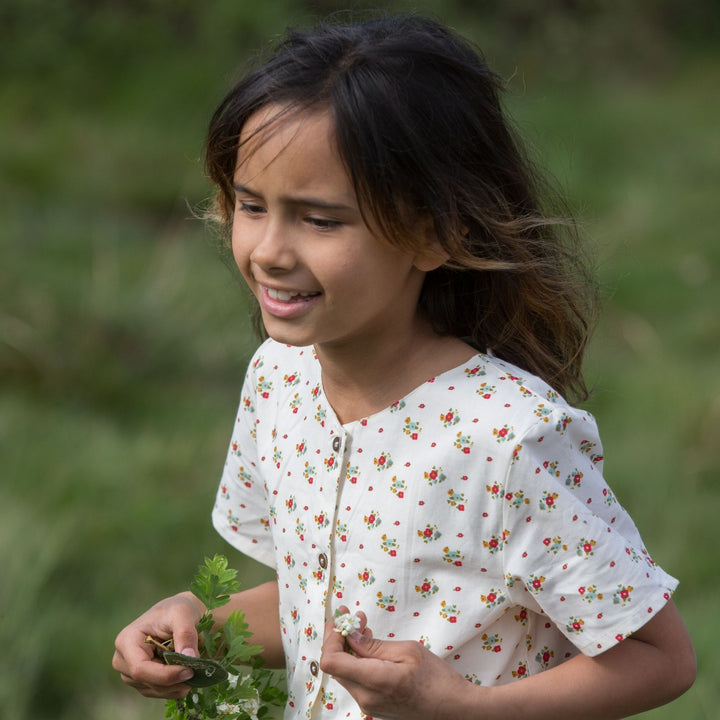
pixel 471 516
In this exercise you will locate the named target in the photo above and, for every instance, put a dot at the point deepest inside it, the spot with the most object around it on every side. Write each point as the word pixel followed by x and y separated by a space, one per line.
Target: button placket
pixel 319 593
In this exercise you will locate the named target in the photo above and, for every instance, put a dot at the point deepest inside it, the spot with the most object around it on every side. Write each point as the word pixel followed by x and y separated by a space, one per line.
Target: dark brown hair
pixel 421 131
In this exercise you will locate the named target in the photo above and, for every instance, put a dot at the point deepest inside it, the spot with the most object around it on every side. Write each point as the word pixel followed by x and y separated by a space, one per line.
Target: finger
pixel 338 662
pixel 185 640
pixel 157 674
pixel 365 646
pixel 134 659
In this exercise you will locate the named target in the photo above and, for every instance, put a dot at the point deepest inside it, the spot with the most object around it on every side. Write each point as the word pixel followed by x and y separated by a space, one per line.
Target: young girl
pixel 404 449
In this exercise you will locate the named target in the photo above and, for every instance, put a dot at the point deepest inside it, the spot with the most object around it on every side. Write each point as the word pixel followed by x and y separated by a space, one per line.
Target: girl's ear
pixel 432 255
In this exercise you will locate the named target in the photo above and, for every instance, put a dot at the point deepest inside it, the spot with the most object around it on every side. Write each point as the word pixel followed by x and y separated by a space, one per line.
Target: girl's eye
pixel 250 208
pixel 322 223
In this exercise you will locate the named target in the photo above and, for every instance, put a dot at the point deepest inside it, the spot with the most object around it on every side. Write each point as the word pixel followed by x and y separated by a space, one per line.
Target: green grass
pixel 124 338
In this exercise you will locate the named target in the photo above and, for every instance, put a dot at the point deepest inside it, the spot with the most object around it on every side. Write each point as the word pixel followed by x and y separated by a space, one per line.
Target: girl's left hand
pixel 394 680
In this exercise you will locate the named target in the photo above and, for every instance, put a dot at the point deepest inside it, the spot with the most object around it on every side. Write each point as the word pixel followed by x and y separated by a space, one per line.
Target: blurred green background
pixel 124 337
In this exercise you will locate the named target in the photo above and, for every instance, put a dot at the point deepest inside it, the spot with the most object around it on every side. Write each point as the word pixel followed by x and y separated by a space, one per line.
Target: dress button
pixel 336 443
pixel 314 668
pixel 323 561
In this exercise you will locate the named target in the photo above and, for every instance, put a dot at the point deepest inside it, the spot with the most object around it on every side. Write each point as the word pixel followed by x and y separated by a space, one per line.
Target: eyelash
pixel 250 208
pixel 321 224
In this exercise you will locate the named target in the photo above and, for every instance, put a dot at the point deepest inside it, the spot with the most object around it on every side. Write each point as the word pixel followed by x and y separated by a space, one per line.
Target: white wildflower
pixel 226 708
pixel 232 680
pixel 346 623
pixel 251 706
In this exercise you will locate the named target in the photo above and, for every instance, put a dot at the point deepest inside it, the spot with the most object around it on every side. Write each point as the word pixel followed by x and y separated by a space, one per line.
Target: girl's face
pixel 320 275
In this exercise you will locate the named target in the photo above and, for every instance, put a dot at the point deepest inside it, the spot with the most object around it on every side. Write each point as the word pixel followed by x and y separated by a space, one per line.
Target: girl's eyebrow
pixel 313 202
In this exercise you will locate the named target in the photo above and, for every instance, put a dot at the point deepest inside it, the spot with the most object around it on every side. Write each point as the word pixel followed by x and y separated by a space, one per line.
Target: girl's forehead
pixel 279 126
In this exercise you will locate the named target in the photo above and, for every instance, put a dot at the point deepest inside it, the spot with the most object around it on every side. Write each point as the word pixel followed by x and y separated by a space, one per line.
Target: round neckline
pixel 472 361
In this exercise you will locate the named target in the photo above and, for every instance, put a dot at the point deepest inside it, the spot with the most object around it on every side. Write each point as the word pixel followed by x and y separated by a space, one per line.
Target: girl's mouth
pixel 289 295
pixel 286 304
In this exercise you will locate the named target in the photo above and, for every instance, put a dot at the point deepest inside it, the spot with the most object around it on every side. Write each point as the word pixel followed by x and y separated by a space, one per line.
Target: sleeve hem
pixel 633 623
pixel 252 547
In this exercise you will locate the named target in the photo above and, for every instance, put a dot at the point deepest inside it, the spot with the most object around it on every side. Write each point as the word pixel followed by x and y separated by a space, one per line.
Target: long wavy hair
pixel 421 131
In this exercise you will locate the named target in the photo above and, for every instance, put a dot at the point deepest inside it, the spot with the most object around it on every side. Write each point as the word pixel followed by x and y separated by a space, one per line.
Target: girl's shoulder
pixel 492 388
pixel 489 374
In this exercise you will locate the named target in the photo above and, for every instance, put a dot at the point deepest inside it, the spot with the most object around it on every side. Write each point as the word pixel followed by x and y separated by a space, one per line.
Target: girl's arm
pixel 402 680
pixel 176 618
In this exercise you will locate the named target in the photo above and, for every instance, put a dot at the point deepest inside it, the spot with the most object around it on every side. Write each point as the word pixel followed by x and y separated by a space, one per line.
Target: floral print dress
pixel 471 516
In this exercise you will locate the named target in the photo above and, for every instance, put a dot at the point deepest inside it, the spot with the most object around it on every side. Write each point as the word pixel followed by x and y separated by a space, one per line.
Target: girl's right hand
pixel 174 617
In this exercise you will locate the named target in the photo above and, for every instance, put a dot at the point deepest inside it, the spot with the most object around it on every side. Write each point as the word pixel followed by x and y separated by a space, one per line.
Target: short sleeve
pixel 569 543
pixel 240 513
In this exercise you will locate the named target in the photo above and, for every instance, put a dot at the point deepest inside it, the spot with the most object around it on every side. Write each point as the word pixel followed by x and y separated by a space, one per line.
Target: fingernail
pixel 186 675
pixel 189 651
pixel 357 636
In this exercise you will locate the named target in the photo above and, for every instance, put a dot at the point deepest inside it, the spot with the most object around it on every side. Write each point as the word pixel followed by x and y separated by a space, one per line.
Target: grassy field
pixel 124 337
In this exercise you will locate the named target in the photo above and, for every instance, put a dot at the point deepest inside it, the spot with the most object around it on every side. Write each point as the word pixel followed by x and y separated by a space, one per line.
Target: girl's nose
pixel 273 251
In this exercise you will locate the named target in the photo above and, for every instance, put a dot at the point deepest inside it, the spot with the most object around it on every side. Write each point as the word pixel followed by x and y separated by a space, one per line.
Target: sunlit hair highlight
pixel 421 131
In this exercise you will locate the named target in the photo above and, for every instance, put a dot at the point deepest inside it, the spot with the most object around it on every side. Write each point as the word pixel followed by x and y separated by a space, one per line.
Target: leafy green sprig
pixel 250 689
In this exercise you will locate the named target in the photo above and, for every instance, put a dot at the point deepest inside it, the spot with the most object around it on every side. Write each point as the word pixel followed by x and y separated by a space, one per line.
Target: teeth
pixel 284 295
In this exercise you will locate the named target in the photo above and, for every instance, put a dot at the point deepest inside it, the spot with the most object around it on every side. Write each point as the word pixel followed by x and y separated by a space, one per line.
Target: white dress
pixel 470 515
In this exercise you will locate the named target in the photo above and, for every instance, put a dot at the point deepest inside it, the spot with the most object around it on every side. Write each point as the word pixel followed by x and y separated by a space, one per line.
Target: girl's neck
pixel 358 384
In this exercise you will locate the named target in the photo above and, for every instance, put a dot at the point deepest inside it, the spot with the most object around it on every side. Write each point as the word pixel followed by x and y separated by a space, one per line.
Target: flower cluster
pixel 346 623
